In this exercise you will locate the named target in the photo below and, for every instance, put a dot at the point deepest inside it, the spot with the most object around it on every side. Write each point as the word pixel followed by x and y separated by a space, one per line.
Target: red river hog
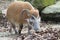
pixel 20 13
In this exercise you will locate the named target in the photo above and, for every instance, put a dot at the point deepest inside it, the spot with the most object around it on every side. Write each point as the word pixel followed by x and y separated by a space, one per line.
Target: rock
pixel 52 8
pixel 52 12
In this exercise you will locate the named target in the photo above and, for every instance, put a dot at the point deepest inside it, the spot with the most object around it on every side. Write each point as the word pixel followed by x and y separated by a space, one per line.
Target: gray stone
pixel 52 12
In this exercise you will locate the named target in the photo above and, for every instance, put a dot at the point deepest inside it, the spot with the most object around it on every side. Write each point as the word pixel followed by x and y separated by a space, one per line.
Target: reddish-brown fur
pixel 14 12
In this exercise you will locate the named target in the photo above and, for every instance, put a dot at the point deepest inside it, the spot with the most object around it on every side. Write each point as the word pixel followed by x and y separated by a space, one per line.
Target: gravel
pixel 49 31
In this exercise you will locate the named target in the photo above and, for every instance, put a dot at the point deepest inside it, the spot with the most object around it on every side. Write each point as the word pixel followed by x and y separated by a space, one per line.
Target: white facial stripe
pixel 32 20
pixel 39 19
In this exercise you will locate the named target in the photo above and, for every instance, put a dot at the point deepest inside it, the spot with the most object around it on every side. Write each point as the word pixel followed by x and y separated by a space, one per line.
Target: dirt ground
pixel 49 31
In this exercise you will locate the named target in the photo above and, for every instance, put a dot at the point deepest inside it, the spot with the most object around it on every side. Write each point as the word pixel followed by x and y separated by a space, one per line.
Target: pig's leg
pixel 14 28
pixel 20 28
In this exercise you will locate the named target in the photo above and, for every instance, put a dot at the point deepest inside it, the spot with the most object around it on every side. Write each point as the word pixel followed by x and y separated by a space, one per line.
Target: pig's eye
pixel 32 17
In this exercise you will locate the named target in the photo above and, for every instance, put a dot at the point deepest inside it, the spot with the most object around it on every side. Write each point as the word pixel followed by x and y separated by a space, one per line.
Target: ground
pixel 49 31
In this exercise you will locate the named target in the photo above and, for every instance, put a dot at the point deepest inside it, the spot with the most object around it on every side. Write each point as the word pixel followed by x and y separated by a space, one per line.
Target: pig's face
pixel 34 19
pixel 35 22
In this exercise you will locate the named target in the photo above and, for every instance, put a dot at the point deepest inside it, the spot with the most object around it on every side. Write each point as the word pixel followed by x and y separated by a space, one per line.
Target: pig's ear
pixel 25 11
